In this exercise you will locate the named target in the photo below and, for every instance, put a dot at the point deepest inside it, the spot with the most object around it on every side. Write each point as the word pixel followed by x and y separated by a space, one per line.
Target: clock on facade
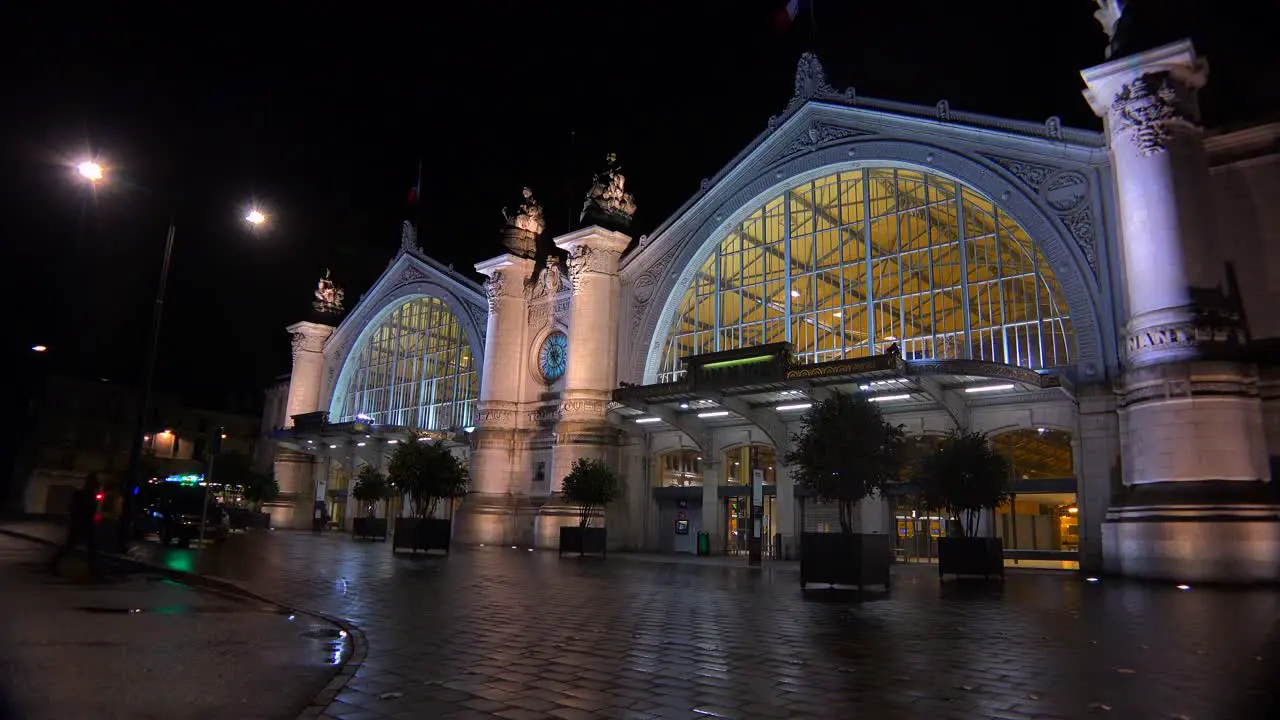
pixel 553 356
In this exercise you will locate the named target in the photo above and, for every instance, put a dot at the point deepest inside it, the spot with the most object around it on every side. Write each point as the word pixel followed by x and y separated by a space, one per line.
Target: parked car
pixel 173 512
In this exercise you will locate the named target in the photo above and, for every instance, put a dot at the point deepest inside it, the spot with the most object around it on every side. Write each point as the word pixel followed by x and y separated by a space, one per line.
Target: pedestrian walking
pixel 82 526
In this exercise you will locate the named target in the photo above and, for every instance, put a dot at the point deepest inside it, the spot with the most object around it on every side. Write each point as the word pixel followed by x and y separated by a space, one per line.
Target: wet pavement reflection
pixel 497 632
pixel 143 646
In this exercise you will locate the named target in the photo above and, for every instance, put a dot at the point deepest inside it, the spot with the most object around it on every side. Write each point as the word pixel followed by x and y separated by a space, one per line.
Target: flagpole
pixel 813 25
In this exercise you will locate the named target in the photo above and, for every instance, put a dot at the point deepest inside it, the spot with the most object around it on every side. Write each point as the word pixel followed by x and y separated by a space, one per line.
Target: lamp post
pixel 96 173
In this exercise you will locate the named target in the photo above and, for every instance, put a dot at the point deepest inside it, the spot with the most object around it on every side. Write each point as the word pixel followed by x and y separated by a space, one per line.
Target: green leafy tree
pixel 428 473
pixel 963 475
pixel 370 489
pixel 845 452
pixel 590 485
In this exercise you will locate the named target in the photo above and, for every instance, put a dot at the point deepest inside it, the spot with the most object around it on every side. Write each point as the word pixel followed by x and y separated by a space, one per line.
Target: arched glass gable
pixel 847 264
pixel 414 370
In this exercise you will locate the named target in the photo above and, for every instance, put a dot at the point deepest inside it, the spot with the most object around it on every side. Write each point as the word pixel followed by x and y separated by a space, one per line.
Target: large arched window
pixel 844 265
pixel 414 370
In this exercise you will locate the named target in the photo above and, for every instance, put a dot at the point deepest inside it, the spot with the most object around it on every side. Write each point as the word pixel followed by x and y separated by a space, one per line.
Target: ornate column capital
pixel 1145 97
pixel 592 251
pixel 507 275
pixel 308 337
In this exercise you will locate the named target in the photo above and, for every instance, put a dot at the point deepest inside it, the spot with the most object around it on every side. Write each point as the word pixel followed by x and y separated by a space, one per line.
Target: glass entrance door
pixel 737 526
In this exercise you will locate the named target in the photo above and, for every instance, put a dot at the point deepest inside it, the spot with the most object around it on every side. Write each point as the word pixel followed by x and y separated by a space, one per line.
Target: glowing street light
pixel 255 217
pixel 90 171
pixel 39 348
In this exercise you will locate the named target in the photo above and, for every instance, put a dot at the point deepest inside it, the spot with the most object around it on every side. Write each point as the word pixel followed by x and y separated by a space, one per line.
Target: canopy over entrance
pixel 763 385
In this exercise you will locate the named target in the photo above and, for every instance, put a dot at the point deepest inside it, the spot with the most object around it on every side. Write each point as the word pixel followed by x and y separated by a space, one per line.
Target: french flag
pixel 788 14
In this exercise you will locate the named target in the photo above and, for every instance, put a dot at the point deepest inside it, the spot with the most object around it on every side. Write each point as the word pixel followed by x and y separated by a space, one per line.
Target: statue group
pixel 608 203
pixel 328 296
pixel 530 217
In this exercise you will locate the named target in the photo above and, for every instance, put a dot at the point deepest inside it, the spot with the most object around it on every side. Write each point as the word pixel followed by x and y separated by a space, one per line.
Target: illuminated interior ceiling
pixel 1037 454
pixel 414 370
pixel 845 265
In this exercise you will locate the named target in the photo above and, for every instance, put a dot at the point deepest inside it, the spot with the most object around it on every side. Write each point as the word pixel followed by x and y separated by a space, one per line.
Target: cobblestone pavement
pixel 501 632
pixel 141 646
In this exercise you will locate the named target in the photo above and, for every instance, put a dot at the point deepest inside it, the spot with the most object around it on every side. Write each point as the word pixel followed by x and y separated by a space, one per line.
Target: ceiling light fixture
pixel 989 388
pixel 714 414
pixel 797 406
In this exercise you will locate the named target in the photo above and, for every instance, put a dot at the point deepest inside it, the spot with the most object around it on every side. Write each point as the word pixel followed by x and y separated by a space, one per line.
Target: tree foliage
pixel 428 473
pixel 590 485
pixel 845 452
pixel 963 475
pixel 370 488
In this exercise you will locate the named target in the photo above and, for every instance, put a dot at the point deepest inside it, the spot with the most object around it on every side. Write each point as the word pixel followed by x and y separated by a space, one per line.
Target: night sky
pixel 322 119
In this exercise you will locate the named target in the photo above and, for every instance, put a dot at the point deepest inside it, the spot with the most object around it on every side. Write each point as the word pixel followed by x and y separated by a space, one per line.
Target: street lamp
pixel 90 170
pixel 39 348
pixel 94 173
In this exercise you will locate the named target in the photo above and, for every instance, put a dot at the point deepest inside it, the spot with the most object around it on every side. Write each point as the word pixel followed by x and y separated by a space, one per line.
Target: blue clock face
pixel 553 356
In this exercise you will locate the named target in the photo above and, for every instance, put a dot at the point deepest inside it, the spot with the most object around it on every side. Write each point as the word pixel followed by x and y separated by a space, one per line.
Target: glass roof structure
pixel 414 370
pixel 848 264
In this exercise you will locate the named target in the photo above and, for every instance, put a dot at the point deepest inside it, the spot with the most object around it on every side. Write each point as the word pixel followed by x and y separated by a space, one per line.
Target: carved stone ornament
pixel 811 82
pixel 944 111
pixel 579 265
pixel 818 134
pixel 608 203
pixel 411 274
pixel 328 297
pixel 1145 109
pixel 1108 16
pixel 493 290
pixel 530 217
pixel 409 238
pixel 299 342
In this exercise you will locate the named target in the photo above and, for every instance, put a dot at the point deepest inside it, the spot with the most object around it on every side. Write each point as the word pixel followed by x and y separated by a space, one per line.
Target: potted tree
pixel 428 473
pixel 964 477
pixel 370 489
pixel 590 485
pixel 845 452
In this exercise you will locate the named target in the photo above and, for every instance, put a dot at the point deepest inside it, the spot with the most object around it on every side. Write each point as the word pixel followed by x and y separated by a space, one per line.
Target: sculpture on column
pixel 608 203
pixel 328 296
pixel 520 236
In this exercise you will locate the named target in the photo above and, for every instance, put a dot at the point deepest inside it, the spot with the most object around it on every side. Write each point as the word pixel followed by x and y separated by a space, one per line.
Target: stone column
pixel 591 371
pixel 583 429
pixel 1097 440
pixel 712 476
pixel 784 511
pixel 293 470
pixel 1193 506
pixel 487 515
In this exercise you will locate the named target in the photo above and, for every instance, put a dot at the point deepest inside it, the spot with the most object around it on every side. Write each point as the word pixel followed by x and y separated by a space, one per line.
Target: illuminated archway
pixel 848 263
pixel 413 369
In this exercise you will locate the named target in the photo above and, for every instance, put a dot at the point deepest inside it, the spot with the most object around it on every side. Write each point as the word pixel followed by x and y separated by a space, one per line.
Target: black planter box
pixel 583 540
pixel 970 556
pixel 836 559
pixel 426 534
pixel 371 528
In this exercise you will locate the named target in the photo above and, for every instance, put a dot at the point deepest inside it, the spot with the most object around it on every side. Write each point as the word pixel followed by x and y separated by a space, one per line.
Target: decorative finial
pixel 811 81
pixel 328 296
pixel 409 238
pixel 608 203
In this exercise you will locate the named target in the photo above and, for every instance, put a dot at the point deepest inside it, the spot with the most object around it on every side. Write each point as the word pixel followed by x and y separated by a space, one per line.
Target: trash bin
pixel 704 544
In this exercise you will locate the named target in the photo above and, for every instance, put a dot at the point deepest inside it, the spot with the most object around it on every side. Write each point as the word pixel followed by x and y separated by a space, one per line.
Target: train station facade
pixel 1095 302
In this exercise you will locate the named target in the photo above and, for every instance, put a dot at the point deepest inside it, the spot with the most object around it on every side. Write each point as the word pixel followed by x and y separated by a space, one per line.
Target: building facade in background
pixel 76 426
pixel 1100 303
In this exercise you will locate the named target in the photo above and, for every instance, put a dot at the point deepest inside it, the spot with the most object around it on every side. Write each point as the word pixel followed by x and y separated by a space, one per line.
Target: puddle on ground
pixel 160 610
